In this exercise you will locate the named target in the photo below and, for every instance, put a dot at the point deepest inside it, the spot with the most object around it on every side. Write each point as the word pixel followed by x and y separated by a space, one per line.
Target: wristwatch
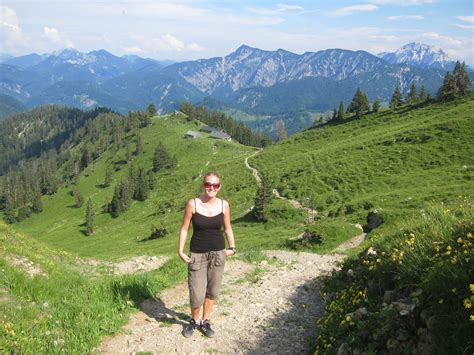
pixel 233 249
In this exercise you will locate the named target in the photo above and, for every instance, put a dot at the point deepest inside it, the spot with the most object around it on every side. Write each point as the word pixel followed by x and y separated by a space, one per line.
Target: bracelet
pixel 233 249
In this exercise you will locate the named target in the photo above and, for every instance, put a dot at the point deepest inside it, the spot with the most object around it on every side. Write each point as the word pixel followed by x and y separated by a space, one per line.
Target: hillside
pixel 389 160
pixel 61 223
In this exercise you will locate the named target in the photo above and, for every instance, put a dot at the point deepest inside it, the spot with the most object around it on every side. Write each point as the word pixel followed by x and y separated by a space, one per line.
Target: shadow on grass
pixel 292 331
pixel 246 218
pixel 138 292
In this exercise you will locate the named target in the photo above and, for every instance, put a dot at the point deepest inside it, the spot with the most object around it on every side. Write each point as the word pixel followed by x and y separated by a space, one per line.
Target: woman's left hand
pixel 229 252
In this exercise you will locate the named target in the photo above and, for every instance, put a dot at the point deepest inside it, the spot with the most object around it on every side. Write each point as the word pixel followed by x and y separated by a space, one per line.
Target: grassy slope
pixel 390 160
pixel 72 307
pixel 60 224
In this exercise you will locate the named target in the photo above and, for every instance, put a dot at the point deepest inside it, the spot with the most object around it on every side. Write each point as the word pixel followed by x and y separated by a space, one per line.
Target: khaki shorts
pixel 205 276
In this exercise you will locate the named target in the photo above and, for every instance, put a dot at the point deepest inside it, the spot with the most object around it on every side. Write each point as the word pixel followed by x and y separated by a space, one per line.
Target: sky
pixel 193 29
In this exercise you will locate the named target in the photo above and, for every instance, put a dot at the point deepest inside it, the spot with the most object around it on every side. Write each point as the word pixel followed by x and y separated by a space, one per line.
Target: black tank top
pixel 207 232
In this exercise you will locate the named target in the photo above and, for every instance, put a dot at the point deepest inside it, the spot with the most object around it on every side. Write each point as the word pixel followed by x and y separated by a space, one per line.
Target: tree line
pixel 454 84
pixel 237 130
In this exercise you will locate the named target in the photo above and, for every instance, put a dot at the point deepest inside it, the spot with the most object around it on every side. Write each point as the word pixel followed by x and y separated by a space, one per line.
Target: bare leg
pixel 208 303
pixel 195 313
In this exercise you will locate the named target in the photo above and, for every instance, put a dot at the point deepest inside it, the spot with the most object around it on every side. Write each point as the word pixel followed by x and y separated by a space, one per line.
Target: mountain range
pixel 256 82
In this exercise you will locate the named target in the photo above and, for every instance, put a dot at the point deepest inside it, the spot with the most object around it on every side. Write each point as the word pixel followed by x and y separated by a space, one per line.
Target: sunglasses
pixel 208 185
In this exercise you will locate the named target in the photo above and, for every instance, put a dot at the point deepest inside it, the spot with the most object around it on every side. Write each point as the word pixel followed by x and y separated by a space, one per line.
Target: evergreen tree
pixel 86 158
pixel 121 199
pixel 262 199
pixel 128 153
pixel 108 176
pixel 396 100
pixel 23 213
pixel 281 130
pixel 423 94
pixel 37 204
pixel 162 159
pixel 376 105
pixel 461 78
pixel 78 197
pixel 151 110
pixel 9 213
pixel 89 217
pixel 139 145
pixel 359 104
pixel 142 187
pixel 340 112
pixel 151 180
pixel 334 115
pixel 448 89
pixel 412 97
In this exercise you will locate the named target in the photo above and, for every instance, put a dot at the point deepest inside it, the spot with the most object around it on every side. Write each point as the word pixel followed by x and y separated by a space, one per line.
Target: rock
pixel 431 323
pixel 426 343
pixel 263 263
pixel 389 296
pixel 344 349
pixel 373 221
pixel 403 308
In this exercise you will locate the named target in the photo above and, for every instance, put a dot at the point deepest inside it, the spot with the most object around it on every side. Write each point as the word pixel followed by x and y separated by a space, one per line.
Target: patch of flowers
pixel 412 291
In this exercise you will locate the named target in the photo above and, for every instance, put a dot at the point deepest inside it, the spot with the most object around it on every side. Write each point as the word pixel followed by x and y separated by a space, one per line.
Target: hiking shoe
pixel 189 329
pixel 206 329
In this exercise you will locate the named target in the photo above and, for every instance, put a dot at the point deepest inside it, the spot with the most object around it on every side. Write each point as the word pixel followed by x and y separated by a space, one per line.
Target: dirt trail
pixel 275 313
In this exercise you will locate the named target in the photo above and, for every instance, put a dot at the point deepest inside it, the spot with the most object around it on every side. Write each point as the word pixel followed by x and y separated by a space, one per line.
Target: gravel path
pixel 274 312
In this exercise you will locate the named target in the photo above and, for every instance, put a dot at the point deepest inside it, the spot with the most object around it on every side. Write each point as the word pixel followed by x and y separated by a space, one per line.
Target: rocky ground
pixel 265 308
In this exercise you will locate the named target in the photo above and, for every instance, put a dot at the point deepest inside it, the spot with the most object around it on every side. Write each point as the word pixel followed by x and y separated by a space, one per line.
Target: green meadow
pixel 414 165
pixel 394 161
pixel 61 224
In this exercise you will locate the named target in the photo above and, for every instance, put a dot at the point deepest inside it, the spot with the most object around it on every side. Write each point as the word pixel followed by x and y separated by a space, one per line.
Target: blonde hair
pixel 211 173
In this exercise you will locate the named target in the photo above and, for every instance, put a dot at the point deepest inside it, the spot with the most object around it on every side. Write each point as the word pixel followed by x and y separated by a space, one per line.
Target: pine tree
pixel 108 176
pixel 151 180
pixel 142 187
pixel 37 204
pixel 340 112
pixel 89 217
pixel 151 110
pixel 334 115
pixel 359 104
pixel 162 159
pixel 396 100
pixel 86 158
pixel 139 145
pixel 423 94
pixel 412 97
pixel 281 130
pixel 376 105
pixel 461 78
pixel 9 213
pixel 78 197
pixel 448 89
pixel 262 199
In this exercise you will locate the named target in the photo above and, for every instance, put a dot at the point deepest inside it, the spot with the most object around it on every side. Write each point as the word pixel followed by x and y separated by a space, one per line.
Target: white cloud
pixel 289 8
pixel 132 49
pixel 443 41
pixel 466 18
pixel 408 17
pixel 465 27
pixel 349 10
pixel 10 30
pixel 166 42
pixel 53 35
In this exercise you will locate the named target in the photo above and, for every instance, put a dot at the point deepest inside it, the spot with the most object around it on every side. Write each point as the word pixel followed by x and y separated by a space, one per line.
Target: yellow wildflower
pixel 471 287
pixel 467 303
pixel 472 317
pixel 441 301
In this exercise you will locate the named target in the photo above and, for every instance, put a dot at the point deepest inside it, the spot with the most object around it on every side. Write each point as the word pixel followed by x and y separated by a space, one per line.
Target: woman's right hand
pixel 184 257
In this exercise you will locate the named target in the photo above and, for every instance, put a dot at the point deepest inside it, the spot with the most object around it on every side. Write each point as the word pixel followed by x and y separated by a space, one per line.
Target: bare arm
pixel 228 227
pixel 183 232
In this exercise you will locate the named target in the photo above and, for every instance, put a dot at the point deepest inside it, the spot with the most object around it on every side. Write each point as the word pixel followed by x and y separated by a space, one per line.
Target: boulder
pixel 374 219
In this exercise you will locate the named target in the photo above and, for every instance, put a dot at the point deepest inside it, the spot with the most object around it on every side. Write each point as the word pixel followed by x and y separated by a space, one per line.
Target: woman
pixel 207 256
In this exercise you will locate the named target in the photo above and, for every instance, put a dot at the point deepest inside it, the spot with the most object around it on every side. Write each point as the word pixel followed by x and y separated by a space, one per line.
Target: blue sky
pixel 192 29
